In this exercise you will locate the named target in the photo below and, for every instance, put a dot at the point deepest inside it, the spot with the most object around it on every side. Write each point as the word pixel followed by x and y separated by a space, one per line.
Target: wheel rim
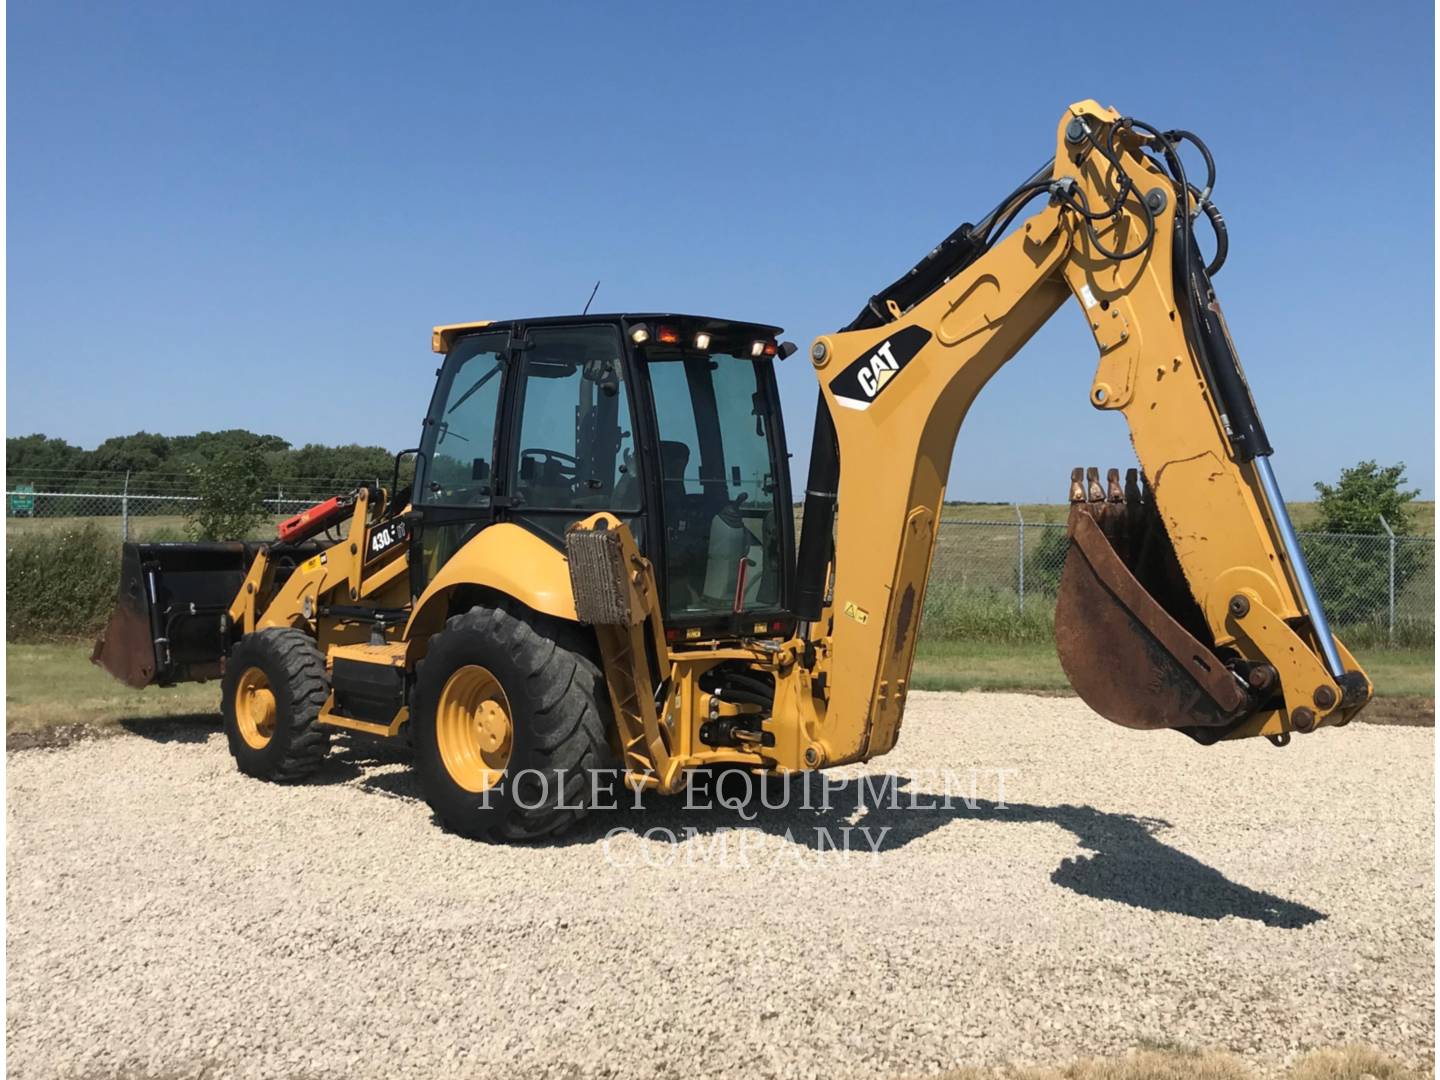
pixel 473 728
pixel 255 709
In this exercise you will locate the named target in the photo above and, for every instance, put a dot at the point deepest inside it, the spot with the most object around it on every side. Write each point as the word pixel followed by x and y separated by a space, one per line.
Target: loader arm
pixel 1186 605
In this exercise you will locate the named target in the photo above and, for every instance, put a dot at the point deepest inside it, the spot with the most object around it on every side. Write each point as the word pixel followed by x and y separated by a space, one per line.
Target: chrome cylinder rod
pixel 1303 580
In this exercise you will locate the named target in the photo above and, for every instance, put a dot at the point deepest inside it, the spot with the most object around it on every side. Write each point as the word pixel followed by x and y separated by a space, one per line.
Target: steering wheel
pixel 569 465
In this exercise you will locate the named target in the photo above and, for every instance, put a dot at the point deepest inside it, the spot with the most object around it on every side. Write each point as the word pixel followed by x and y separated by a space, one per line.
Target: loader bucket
pixel 170 624
pixel 1130 636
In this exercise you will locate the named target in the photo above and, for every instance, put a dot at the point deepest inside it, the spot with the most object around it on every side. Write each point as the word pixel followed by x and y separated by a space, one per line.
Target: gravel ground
pixel 170 917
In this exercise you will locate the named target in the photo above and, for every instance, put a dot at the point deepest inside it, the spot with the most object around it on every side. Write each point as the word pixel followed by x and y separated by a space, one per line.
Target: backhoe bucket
pixel 169 623
pixel 1131 638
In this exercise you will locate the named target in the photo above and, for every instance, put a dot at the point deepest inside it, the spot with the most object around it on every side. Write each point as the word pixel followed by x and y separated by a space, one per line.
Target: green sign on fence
pixel 22 501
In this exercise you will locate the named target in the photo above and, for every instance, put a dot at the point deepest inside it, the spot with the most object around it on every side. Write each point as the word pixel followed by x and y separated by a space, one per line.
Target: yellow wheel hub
pixel 255 708
pixel 473 728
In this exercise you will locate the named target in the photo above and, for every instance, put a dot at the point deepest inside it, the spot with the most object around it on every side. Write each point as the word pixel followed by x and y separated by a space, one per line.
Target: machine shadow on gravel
pixel 189 728
pixel 1125 860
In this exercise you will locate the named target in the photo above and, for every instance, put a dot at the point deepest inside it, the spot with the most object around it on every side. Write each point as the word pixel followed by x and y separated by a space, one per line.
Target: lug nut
pixel 1324 697
pixel 1239 606
pixel 1303 720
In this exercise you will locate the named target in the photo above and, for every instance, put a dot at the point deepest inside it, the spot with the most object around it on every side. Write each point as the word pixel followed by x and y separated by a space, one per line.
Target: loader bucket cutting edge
pixel 1126 656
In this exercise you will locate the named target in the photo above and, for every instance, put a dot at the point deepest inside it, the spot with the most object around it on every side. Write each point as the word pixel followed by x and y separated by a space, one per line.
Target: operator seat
pixel 684 540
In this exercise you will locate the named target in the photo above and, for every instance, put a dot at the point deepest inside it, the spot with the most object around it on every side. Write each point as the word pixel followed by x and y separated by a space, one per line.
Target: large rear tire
pixel 271 696
pixel 510 723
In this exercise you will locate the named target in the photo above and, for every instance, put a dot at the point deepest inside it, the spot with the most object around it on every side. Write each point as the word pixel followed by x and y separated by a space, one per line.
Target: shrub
pixel 60 584
pixel 231 487
pixel 1044 559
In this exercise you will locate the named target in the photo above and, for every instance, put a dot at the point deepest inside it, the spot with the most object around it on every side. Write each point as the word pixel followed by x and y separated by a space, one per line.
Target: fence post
pixel 1390 533
pixel 125 509
pixel 1021 519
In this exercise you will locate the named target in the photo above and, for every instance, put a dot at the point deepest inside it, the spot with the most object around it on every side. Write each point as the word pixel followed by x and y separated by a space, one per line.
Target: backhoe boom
pixel 1236 644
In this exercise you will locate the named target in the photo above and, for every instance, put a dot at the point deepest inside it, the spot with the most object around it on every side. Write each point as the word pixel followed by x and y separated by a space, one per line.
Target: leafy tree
pixel 350 462
pixel 231 488
pixel 37 453
pixel 138 453
pixel 1352 571
pixel 1366 492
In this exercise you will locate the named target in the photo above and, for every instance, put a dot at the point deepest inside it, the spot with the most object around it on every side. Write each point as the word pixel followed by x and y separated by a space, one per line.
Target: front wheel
pixel 271 696
pixel 509 724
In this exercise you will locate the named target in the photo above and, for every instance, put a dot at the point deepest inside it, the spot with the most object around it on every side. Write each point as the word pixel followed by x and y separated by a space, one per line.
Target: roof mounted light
pixel 640 333
pixel 702 340
pixel 757 349
pixel 667 335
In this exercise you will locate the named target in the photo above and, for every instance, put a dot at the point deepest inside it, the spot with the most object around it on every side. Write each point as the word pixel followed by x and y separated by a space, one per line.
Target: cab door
pixel 571 443
pixel 456 493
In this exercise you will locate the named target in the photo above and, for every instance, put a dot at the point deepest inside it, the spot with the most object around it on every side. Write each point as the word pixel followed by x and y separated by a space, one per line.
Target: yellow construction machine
pixel 595 568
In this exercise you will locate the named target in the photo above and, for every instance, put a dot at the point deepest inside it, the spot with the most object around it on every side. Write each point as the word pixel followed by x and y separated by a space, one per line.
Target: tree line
pixel 270 460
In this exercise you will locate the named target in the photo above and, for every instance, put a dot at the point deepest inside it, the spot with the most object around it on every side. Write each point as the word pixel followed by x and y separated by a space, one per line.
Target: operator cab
pixel 670 422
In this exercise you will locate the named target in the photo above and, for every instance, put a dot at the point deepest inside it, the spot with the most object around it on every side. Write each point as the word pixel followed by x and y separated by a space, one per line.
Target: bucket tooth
pixel 1112 487
pixel 1077 485
pixel 1132 486
pixel 1093 491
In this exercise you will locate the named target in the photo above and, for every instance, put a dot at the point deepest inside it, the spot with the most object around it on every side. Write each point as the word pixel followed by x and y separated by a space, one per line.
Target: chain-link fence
pixel 1000 578
pixel 152 507
pixel 991 580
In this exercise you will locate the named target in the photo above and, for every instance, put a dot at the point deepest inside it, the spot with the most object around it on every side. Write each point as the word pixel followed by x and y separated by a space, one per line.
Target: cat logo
pixel 882 366
pixel 862 381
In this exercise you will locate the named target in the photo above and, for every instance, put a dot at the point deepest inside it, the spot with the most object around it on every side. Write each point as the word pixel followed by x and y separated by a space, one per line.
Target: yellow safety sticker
pixel 312 564
pixel 856 612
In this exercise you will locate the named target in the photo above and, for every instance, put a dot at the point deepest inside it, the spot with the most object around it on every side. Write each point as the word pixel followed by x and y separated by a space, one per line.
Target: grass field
pixel 962 665
pixel 56 685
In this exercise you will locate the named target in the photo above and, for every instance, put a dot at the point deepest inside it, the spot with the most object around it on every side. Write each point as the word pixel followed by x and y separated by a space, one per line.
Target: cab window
pixel 723 537
pixel 575 448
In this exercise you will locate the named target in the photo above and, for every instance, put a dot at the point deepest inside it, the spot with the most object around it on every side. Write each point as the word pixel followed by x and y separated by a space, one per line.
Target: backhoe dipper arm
pixel 1185 606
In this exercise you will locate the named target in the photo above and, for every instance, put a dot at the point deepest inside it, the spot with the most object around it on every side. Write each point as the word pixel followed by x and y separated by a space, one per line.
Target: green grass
pixel 1032 666
pixel 984 665
pixel 1400 672
pixel 51 685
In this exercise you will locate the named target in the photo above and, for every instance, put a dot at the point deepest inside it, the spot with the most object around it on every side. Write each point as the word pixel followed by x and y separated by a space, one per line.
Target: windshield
pixel 723 541
pixel 459 443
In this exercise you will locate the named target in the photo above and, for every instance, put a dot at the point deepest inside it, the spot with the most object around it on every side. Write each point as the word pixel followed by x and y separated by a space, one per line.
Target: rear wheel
pixel 509 724
pixel 271 696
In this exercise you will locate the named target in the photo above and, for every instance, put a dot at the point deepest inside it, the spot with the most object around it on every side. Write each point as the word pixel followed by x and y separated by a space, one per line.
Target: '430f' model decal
pixel 385 538
pixel 860 383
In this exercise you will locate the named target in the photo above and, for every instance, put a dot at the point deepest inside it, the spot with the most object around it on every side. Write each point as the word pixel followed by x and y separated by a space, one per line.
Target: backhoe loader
pixel 595 567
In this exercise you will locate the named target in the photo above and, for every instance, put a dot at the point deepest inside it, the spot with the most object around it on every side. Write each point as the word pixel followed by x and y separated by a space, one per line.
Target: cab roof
pixel 444 336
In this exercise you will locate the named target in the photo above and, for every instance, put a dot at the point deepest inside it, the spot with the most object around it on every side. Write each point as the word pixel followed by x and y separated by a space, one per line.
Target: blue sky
pixel 250 215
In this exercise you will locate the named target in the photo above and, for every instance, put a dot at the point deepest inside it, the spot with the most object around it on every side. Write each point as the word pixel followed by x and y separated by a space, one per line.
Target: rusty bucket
pixel 1130 636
